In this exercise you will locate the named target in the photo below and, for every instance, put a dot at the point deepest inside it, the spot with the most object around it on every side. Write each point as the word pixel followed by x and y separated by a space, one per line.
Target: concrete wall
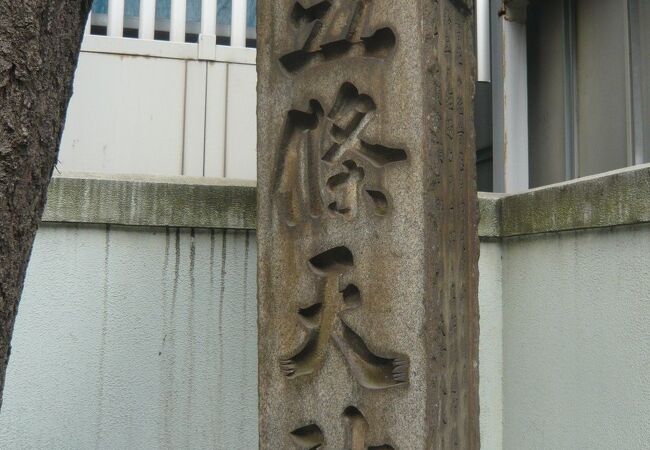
pixel 490 345
pixel 145 337
pixel 135 338
pixel 576 340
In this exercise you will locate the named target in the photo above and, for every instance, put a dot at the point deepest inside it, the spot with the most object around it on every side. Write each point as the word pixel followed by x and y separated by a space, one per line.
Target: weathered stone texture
pixel 367 220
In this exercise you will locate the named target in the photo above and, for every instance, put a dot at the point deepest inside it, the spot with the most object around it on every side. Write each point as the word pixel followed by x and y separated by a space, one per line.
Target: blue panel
pixel 100 7
pixel 193 10
pixel 132 8
pixel 224 11
pixel 251 19
pixel 163 8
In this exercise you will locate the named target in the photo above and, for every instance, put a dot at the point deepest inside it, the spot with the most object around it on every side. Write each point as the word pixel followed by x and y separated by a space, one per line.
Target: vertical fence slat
pixel 209 17
pixel 208 36
pixel 238 24
pixel 115 18
pixel 177 21
pixel 483 39
pixel 147 24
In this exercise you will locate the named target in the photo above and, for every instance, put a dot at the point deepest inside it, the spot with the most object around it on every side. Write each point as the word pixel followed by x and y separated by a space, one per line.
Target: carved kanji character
pixel 323 322
pixel 331 29
pixel 325 161
pixel 311 437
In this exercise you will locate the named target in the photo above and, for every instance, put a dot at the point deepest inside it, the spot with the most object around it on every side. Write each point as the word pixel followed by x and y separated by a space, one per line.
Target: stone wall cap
pixel 145 200
pixel 616 198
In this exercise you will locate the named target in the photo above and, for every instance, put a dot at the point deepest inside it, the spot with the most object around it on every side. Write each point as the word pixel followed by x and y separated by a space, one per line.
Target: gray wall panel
pixel 576 371
pixel 135 338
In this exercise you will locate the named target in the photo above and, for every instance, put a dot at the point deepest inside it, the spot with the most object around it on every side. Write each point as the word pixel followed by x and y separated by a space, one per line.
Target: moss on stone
pixel 616 198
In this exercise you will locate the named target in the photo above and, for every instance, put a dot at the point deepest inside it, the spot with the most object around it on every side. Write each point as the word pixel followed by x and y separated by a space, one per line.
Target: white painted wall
pixel 241 131
pixel 576 337
pixel 135 338
pixel 140 338
pixel 126 115
pixel 161 115
pixel 491 346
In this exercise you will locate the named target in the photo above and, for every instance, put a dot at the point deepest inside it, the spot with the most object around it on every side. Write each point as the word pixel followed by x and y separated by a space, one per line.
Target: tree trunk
pixel 39 47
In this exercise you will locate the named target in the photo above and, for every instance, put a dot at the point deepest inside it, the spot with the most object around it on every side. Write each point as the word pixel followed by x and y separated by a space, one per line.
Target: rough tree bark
pixel 39 47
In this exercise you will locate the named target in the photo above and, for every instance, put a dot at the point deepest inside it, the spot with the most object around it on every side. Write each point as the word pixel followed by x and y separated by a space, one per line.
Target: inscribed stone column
pixel 368 248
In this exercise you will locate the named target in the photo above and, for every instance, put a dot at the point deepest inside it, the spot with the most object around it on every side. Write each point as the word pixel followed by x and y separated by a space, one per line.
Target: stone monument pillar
pixel 368 247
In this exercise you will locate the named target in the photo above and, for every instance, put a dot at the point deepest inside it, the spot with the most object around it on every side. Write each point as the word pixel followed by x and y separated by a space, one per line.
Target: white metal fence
pixel 115 19
pixel 165 87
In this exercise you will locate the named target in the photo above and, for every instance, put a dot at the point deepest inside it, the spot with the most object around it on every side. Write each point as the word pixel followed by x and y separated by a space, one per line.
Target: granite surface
pixel 367 225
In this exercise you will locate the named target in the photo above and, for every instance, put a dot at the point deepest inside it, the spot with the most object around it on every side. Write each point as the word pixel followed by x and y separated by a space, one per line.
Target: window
pixel 588 87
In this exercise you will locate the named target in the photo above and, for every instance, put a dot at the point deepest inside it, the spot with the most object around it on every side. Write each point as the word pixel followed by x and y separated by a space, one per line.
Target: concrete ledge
pixel 616 198
pixel 489 208
pixel 621 197
pixel 189 202
pixel 151 201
